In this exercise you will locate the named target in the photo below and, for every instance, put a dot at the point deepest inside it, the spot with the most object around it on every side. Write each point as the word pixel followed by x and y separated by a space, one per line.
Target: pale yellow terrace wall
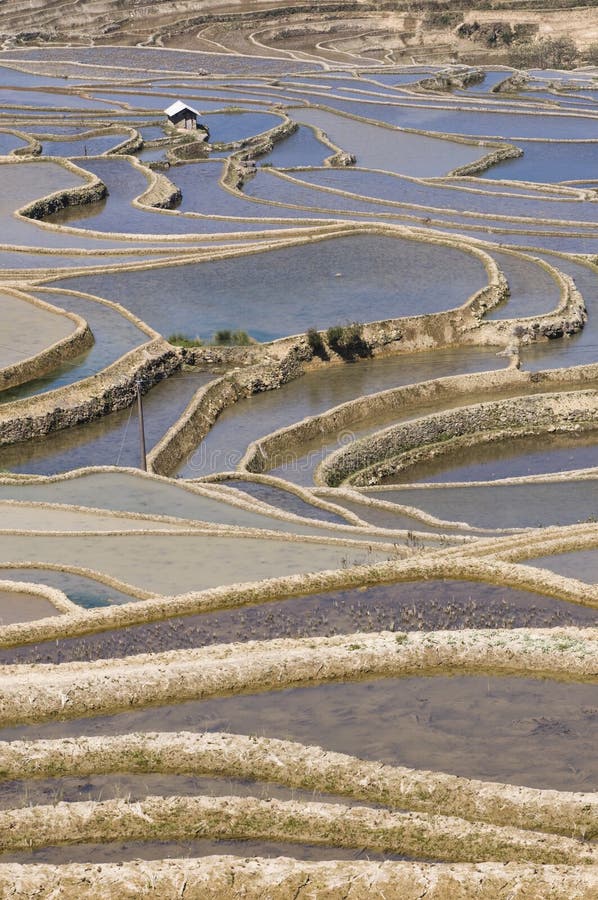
pixel 278 879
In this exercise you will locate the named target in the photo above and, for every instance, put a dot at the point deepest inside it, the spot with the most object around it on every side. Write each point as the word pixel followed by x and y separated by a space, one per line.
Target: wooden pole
pixel 141 427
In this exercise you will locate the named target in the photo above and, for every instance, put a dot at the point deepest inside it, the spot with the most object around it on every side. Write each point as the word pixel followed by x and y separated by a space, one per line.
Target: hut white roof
pixel 179 106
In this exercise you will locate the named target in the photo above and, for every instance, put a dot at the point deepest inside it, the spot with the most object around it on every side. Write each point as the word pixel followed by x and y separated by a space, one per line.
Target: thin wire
pixel 124 436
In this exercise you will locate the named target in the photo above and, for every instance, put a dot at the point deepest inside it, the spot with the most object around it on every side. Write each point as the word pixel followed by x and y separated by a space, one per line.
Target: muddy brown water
pixel 121 852
pixel 428 605
pixel 524 731
pixel 23 607
pixel 171 563
pixel 134 787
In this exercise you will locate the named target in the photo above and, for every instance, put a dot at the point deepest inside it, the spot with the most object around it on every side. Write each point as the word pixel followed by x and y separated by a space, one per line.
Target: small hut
pixel 182 116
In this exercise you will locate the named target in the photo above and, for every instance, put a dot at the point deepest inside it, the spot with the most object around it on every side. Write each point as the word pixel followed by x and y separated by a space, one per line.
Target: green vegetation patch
pixel 348 341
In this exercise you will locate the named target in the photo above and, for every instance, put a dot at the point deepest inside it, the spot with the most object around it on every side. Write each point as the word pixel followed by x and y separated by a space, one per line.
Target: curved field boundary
pixel 182 818
pixel 51 357
pixel 121 586
pixel 372 502
pixel 32 145
pixel 106 391
pixel 422 565
pixel 498 151
pixel 55 596
pixel 309 768
pixel 263 454
pixel 35 694
pixel 397 448
pixel 92 190
pixel 109 390
pixel 308 496
pixel 131 142
pixel 213 490
pixel 287 355
pixel 292 174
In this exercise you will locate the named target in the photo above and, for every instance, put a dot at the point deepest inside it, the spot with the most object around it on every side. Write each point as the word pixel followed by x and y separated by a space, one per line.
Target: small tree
pixel 348 341
pixel 591 54
pixel 317 345
pixel 227 338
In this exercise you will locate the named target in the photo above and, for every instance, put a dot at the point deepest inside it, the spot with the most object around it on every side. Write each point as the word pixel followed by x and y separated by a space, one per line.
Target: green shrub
pixel 317 345
pixel 182 340
pixel 227 338
pixel 348 341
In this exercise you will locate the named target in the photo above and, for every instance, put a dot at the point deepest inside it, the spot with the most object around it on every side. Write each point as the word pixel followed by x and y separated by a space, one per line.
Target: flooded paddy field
pixel 380 148
pixel 135 787
pixel 531 504
pixel 250 419
pixel 433 196
pixel 17 315
pixel 516 457
pixel 124 183
pixel 426 605
pixel 178 564
pixel 242 292
pixel 111 440
pixel 84 591
pixel 114 335
pixel 286 500
pixel 580 564
pixel 454 725
pixel 20 607
pixel 234 636
pixel 136 850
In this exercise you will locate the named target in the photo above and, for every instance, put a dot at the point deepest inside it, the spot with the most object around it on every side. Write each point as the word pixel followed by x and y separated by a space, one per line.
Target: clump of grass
pixel 317 345
pixel 348 341
pixel 182 340
pixel 227 338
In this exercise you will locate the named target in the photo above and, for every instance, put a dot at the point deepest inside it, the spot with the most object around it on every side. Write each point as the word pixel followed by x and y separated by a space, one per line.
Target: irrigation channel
pixel 333 632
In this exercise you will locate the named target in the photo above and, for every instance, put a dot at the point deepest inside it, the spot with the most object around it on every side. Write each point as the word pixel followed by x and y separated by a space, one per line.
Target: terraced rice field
pixel 339 639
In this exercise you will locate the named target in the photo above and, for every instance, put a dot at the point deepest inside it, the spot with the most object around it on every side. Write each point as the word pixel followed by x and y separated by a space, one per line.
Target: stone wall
pixel 90 192
pixel 213 398
pixel 32 145
pixel 51 357
pixel 131 144
pixel 112 389
pixel 161 193
pixel 286 359
pixel 393 449
pixel 507 151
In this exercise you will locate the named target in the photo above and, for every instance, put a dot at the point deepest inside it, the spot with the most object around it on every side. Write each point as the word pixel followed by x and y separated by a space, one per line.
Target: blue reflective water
pixel 286 291
pixel 302 148
pixel 546 161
